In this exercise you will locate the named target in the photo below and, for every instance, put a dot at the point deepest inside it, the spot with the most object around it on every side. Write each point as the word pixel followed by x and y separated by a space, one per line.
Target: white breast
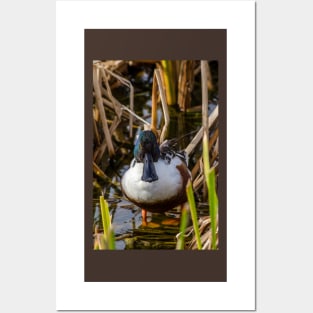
pixel 167 186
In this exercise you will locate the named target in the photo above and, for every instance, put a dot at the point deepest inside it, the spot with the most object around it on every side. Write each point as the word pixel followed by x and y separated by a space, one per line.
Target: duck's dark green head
pixel 147 151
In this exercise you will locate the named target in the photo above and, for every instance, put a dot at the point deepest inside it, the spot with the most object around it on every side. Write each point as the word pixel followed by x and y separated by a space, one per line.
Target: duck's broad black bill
pixel 149 173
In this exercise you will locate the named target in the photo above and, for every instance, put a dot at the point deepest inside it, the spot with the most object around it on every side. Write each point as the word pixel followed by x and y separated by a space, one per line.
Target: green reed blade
pixel 111 240
pixel 213 203
pixel 105 214
pixel 193 210
pixel 108 234
pixel 183 225
pixel 210 181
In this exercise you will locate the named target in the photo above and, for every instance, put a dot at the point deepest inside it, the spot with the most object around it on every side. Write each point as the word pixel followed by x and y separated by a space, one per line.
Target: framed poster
pixel 90 38
pixel 153 246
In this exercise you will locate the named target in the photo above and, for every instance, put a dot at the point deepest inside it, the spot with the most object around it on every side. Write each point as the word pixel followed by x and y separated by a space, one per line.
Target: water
pixel 160 232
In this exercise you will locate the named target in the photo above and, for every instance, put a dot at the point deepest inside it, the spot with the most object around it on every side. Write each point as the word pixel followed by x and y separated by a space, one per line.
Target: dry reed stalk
pixel 197 70
pixel 98 171
pixel 205 100
pixel 213 138
pixel 196 139
pixel 213 116
pixel 117 109
pixel 128 84
pixel 197 173
pixel 95 129
pixel 194 142
pixel 169 79
pixel 185 84
pixel 206 234
pixel 100 107
pixel 198 181
pixel 124 109
pixel 209 76
pixel 164 105
pixel 103 77
pixel 114 65
pixel 99 151
pixel 195 169
pixel 108 88
pixel 204 223
pixel 154 103
pixel 205 121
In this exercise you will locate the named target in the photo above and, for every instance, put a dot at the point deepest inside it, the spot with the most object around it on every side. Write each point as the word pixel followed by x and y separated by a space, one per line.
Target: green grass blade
pixel 183 225
pixel 213 202
pixel 108 234
pixel 206 160
pixel 105 214
pixel 193 210
pixel 210 181
pixel 111 240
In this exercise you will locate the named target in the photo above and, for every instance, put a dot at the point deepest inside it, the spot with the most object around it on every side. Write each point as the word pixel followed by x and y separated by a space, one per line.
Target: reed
pixel 209 174
pixel 206 176
pixel 185 84
pixel 108 235
pixel 164 106
pixel 182 230
pixel 169 77
pixel 193 211
pixel 108 140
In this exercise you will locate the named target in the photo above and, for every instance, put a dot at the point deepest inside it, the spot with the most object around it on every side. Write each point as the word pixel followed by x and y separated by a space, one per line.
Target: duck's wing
pixel 168 151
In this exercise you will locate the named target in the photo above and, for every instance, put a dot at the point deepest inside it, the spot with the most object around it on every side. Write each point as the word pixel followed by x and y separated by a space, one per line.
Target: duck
pixel 157 176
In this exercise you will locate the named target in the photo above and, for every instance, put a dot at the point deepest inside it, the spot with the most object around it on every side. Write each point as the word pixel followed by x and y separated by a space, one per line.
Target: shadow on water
pixel 161 231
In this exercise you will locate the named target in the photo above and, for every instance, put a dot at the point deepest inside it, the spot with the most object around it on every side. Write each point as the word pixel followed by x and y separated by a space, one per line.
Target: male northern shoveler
pixel 157 177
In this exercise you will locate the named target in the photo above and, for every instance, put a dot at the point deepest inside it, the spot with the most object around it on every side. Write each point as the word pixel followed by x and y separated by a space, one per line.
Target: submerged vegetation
pixel 179 101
